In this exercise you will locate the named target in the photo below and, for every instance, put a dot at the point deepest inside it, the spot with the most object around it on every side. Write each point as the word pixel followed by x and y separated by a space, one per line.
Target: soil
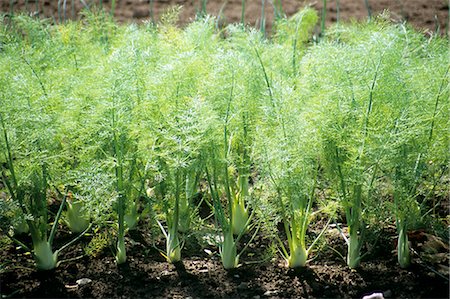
pixel 427 15
pixel 146 274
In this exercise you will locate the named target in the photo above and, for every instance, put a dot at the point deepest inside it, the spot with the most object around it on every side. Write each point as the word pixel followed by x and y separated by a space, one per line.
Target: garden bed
pixel 201 275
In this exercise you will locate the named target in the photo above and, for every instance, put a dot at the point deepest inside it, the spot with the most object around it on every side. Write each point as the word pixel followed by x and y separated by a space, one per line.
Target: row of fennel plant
pixel 129 123
pixel 374 133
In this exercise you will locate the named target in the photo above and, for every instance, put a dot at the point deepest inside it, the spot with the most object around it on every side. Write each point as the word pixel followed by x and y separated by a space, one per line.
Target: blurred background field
pixel 429 15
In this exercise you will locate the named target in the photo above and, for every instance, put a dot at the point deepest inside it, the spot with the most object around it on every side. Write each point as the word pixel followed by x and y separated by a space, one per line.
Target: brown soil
pixel 201 275
pixel 423 14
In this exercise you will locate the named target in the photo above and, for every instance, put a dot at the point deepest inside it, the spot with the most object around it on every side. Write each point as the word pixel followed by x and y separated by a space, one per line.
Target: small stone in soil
pixel 83 281
pixel 71 286
pixel 270 293
pixel 374 296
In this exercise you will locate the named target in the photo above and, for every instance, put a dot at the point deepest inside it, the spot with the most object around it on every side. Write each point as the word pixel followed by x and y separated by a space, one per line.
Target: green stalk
pixel 173 246
pixel 227 247
pixel 58 216
pixel 298 224
pixel 239 210
pixel 263 18
pixel 173 242
pixel 113 7
pixel 36 9
pixel 192 178
pixel 243 13
pixel 284 218
pixel 9 159
pixel 338 13
pixel 447 32
pixel 369 11
pixel 295 227
pixel 236 202
pixel 354 248
pixel 203 8
pixel 278 9
pixel 59 11
pixel 404 198
pixel 131 216
pixel 226 149
pixel 86 6
pixel 297 249
pixel 268 85
pixel 403 252
pixel 37 207
pixel 219 215
pixel 184 221
pixel 65 10
pixel 239 215
pixel 152 17
pixel 228 251
pixel 44 257
pixel 43 254
pixel 324 16
pixel 294 49
pixel 11 8
pixel 37 77
pixel 354 214
pixel 74 239
pixel 441 87
pixel 121 256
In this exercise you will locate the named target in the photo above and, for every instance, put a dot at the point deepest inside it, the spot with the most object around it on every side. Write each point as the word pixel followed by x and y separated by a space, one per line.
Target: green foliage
pixel 298 28
pixel 109 111
pixel 101 240
pixel 372 83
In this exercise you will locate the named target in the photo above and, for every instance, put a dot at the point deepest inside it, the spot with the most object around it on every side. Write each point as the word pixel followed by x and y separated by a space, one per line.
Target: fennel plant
pixel 31 195
pixel 288 163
